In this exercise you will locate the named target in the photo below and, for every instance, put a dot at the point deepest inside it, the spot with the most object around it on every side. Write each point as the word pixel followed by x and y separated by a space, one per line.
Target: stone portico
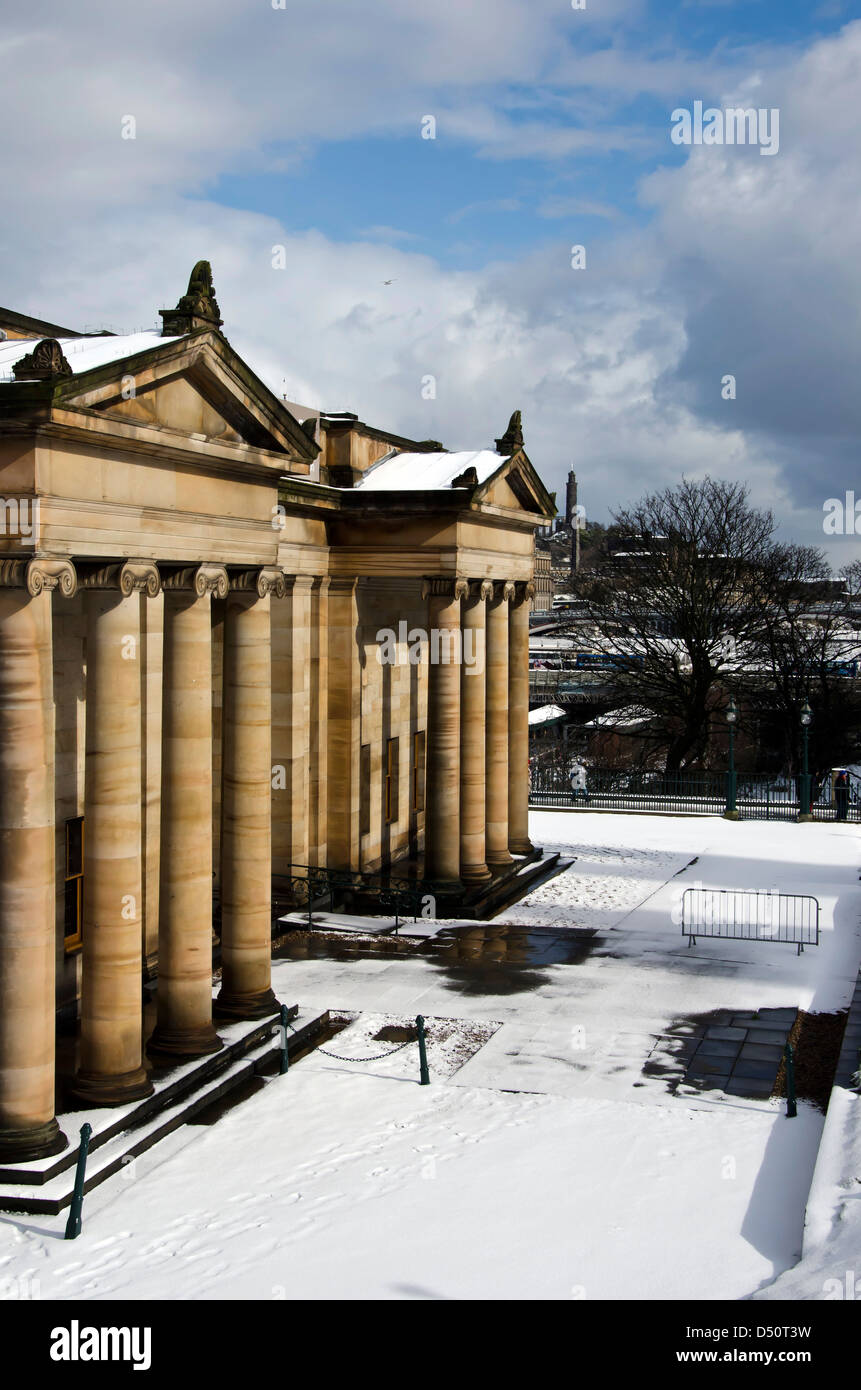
pixel 192 693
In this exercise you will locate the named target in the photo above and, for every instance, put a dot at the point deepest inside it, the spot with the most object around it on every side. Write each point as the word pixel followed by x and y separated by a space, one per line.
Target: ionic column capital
pixel 524 592
pixel 266 581
pixel 503 591
pixel 38 574
pixel 444 586
pixel 129 576
pixel 199 579
pixel 478 590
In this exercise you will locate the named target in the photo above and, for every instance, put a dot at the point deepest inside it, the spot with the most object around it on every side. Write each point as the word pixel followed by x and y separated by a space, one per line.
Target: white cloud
pixel 750 265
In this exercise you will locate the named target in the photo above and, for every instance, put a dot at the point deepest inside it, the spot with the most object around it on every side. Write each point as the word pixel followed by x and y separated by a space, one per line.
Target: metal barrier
pixel 743 914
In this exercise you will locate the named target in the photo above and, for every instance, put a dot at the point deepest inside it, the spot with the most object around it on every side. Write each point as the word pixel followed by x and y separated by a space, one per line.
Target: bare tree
pixel 810 654
pixel 685 603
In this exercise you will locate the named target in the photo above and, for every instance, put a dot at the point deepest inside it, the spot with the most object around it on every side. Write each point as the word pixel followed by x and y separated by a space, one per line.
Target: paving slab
pixel 758 1071
pixel 713 1047
pixel 749 1087
pixel 761 1052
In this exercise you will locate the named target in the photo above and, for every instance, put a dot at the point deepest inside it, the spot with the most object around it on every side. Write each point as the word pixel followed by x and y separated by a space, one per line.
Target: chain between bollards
pixel 423 1056
pixel 73 1225
pixel 791 1107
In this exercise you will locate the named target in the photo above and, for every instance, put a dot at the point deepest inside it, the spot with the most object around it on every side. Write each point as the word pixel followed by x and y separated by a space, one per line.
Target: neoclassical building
pixel 234 643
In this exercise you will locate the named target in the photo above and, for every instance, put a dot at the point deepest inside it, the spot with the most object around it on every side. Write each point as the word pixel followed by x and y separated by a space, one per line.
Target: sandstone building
pixel 193 584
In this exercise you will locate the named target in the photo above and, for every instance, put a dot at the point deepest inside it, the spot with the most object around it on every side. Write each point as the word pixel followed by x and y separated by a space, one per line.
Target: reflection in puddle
pixel 478 958
pixel 487 959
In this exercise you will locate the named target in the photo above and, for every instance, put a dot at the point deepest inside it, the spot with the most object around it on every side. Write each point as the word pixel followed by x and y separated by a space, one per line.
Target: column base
pixel 445 885
pixel 499 859
pixel 100 1088
pixel 524 846
pixel 236 1007
pixel 172 1044
pixel 731 815
pixel 25 1145
pixel 475 873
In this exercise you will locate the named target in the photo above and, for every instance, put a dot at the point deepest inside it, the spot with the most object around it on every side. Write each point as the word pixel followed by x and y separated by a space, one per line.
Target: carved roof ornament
pixel 45 363
pixel 468 478
pixel 197 308
pixel 512 440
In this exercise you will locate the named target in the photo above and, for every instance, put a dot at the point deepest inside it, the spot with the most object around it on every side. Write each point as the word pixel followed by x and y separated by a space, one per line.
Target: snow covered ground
pixel 546 1164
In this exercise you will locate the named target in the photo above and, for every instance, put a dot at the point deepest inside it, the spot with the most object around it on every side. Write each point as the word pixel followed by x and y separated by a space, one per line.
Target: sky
pixel 389 194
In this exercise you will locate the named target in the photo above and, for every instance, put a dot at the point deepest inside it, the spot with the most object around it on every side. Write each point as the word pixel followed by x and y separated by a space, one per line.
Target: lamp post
pixel 804 788
pixel 731 717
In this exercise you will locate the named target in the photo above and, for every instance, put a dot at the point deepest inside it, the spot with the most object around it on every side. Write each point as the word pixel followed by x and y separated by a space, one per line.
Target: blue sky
pixel 301 128
pixel 450 199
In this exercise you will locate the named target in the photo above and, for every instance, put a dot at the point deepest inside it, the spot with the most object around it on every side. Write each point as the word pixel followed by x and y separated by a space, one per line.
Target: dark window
pixel 391 787
pixel 417 773
pixel 74 903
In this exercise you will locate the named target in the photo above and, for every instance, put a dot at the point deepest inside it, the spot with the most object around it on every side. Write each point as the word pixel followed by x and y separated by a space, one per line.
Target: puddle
pixel 487 959
pixel 319 945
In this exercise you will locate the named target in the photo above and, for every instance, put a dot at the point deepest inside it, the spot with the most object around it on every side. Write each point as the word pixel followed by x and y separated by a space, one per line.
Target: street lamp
pixel 804 789
pixel 731 717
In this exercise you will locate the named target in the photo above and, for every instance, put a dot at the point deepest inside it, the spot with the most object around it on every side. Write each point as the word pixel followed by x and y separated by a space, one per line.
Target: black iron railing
pixel 756 797
pixel 308 888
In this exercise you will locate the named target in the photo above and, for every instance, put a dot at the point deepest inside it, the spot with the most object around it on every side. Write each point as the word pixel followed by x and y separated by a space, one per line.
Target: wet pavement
pixel 498 960
pixel 737 1052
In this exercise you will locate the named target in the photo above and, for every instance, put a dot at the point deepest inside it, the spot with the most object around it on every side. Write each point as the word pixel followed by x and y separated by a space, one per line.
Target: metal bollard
pixel 423 1056
pixel 791 1108
pixel 285 1058
pixel 73 1225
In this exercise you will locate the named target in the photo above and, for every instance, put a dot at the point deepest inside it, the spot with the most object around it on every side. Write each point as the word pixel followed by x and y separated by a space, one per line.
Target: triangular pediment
pixel 175 404
pixel 516 486
pixel 195 387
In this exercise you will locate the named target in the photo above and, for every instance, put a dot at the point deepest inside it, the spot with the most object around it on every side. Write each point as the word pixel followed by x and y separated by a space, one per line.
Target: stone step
pixel 119 1137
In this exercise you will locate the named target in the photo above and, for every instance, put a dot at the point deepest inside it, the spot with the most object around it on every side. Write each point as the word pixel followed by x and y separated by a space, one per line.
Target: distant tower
pixel 572 519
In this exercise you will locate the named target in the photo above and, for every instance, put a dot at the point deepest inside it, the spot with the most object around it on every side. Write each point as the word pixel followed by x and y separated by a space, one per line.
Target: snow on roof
pixel 546 714
pixel 82 354
pixel 427 472
pixel 551 644
pixel 627 718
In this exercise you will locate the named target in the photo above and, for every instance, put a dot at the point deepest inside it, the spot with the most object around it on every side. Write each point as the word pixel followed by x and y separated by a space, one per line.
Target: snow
pixel 546 714
pixel 629 717
pixel 541 1162
pixel 427 472
pixel 83 354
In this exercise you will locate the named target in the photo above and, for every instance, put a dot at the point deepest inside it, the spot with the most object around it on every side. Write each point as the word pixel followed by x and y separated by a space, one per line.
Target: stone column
pixel 318 719
pixel 28 1128
pixel 497 724
pixel 291 692
pixel 111 1070
pixel 473 865
pixel 442 804
pixel 184 1026
pixel 518 721
pixel 246 836
pixel 344 726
